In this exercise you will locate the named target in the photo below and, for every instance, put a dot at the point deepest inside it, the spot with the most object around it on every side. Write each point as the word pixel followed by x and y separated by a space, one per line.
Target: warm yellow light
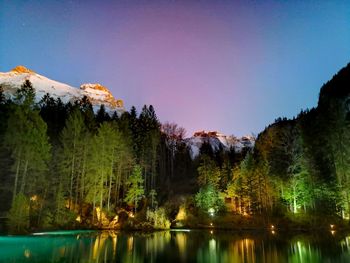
pixel 332 232
pixel 34 198
pixel 130 243
pixel 181 215
pixel 78 219
pixel 131 215
pixel 98 213
pixel 27 253
pixel 273 232
pixel 211 211
pixel 211 232
pixel 211 224
pixel 332 226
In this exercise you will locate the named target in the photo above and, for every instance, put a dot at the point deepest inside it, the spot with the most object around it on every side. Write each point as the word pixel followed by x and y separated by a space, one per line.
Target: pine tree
pixel 2 96
pixel 102 115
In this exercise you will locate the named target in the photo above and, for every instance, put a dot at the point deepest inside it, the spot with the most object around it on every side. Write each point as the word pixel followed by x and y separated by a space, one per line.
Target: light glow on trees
pixel 211 211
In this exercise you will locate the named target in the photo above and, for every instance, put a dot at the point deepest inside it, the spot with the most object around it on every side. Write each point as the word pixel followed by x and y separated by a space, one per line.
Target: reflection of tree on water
pixel 181 242
pixel 176 246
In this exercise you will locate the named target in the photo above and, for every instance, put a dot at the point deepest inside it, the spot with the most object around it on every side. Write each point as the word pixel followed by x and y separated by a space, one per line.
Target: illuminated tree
pixel 135 189
pixel 18 216
pixel 72 158
pixel 153 197
pixel 208 172
pixel 208 199
pixel 28 143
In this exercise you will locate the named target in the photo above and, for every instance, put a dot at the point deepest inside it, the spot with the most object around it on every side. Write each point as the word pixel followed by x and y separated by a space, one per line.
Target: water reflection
pixel 176 246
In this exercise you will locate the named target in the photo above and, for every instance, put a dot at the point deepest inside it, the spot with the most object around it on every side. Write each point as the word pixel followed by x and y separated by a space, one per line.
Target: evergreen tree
pixel 54 113
pixel 2 96
pixel 102 115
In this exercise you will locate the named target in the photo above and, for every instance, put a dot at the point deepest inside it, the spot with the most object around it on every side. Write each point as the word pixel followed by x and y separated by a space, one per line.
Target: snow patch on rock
pixel 218 141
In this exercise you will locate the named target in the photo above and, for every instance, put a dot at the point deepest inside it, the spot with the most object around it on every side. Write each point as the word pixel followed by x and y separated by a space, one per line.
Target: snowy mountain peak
pixel 96 93
pixel 22 69
pixel 218 141
pixel 103 92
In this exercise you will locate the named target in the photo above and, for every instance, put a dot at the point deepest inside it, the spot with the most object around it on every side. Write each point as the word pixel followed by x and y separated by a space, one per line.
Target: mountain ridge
pixel 96 93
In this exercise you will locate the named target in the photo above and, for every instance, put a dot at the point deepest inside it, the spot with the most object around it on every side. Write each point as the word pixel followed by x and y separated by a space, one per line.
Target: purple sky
pixel 218 65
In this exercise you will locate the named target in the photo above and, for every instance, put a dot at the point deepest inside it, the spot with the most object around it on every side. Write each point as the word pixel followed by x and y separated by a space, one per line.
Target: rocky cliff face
pixel 218 141
pixel 97 94
pixel 100 94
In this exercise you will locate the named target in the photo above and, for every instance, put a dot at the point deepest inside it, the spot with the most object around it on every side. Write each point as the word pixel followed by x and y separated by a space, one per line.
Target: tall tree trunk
pixel 41 206
pixel 118 184
pixel 71 180
pixel 24 176
pixel 101 191
pixel 110 187
pixel 82 190
pixel 16 178
pixel 294 200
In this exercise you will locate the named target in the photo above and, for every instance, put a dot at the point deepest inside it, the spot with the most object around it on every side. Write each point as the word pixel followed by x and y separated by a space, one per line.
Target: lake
pixel 175 246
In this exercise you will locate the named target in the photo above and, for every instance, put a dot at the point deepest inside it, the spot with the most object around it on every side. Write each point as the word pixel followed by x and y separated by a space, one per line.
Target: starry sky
pixel 231 66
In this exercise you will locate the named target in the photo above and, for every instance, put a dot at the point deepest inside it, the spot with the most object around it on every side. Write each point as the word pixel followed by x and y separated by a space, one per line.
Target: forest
pixel 62 166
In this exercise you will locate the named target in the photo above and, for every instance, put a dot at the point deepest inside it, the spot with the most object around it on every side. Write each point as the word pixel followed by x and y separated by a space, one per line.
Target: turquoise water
pixel 175 246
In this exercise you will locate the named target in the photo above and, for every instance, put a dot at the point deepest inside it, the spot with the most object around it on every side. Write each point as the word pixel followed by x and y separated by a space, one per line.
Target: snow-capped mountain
pixel 97 94
pixel 218 141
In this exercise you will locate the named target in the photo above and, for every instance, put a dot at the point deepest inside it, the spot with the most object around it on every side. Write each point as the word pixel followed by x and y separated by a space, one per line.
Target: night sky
pixel 216 65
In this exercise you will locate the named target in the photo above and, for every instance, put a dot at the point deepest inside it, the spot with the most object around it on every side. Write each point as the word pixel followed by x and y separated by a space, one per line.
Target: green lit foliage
pixel 73 158
pixel 135 189
pixel 28 143
pixel 105 143
pixel 153 198
pixel 109 159
pixel 145 140
pixel 288 162
pixel 18 216
pixel 62 216
pixel 209 198
pixel 158 218
pixel 240 187
pixel 208 172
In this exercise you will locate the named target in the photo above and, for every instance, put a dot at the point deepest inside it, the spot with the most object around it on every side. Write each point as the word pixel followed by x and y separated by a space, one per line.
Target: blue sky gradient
pixel 229 66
